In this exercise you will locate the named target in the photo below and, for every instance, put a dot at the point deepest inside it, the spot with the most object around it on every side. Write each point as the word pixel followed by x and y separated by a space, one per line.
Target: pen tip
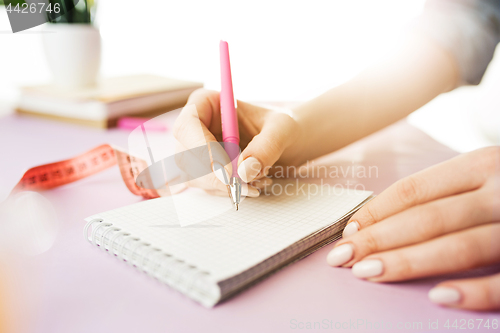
pixel 236 207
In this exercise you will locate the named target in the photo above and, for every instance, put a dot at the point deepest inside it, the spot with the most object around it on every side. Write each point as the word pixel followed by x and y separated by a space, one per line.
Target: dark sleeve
pixel 469 29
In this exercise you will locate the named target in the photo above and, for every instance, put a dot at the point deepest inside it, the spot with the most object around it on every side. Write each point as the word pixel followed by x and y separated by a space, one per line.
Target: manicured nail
pixel 368 268
pixel 444 295
pixel 221 173
pixel 249 191
pixel 253 192
pixel 340 255
pixel 350 229
pixel 249 169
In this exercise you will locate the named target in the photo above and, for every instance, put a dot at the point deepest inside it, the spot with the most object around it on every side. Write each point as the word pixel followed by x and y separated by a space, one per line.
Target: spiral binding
pixel 156 263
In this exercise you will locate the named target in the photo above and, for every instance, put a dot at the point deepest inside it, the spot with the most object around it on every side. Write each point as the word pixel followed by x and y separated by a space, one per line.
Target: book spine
pixel 166 268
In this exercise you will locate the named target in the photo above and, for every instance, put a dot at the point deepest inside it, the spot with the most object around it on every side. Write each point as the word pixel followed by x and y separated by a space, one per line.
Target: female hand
pixel 441 220
pixel 266 138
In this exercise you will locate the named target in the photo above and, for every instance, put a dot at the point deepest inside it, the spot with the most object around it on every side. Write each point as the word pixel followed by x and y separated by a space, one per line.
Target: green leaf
pixel 12 2
pixel 78 14
pixel 82 13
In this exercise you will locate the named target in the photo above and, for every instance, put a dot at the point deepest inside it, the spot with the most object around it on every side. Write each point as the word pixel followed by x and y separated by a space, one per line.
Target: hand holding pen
pixel 266 137
pixel 229 123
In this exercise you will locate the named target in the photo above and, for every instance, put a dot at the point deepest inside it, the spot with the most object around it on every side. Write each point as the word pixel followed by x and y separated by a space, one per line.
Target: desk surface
pixel 74 287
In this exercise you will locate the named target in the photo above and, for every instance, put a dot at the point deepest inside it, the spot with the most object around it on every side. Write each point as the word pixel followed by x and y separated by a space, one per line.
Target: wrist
pixel 303 146
pixel 317 122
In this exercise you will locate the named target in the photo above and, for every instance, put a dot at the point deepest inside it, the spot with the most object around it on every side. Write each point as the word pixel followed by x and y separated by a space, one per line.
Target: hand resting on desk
pixel 441 220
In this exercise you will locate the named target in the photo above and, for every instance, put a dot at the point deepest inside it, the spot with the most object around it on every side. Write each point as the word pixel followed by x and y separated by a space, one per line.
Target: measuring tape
pixel 49 176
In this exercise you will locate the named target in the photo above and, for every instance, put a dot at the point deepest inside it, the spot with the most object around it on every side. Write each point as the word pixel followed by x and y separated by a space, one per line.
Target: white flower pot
pixel 73 52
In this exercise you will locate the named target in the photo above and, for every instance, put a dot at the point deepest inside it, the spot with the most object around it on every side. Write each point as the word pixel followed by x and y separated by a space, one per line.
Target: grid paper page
pixel 233 241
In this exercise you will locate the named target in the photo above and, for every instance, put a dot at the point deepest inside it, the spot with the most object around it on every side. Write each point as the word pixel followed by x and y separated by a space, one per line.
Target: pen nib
pixel 235 191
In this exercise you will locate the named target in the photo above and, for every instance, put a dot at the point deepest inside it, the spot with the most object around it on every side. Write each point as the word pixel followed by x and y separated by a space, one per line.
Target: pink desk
pixel 74 287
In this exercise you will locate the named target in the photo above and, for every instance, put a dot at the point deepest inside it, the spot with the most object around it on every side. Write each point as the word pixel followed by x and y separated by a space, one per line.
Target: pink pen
pixel 229 118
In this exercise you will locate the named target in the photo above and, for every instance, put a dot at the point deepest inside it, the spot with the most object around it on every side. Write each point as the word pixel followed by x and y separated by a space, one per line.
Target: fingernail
pixel 368 268
pixel 444 295
pixel 340 255
pixel 221 173
pixel 350 229
pixel 249 169
pixel 252 192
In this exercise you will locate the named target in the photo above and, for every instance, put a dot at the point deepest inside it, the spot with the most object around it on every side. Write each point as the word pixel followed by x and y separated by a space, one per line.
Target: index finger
pixel 197 126
pixel 455 176
pixel 201 112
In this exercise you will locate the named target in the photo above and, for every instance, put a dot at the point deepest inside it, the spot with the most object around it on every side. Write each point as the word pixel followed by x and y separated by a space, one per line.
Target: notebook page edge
pixel 336 227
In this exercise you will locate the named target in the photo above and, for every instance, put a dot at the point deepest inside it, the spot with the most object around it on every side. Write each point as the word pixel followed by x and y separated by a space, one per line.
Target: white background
pixel 280 51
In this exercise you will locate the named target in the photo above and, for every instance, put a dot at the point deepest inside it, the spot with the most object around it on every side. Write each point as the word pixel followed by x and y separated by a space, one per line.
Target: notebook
pixel 223 251
pixel 112 98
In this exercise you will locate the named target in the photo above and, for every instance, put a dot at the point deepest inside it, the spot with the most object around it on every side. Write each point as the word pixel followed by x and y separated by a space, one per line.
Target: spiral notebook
pixel 223 251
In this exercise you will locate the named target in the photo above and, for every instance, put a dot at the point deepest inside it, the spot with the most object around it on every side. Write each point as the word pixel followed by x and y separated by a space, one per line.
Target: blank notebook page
pixel 226 242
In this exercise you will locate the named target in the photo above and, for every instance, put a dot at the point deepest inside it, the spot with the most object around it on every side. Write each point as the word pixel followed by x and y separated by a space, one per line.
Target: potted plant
pixel 72 44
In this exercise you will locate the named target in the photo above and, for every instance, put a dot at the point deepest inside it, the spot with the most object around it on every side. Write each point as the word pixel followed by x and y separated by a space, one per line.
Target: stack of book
pixel 102 105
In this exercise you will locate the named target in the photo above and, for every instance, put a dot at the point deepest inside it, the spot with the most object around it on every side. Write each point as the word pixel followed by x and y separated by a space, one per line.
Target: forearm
pixel 375 98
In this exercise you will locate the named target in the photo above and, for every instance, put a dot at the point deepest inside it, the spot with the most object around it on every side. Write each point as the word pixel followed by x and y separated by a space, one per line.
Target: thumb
pixel 265 149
